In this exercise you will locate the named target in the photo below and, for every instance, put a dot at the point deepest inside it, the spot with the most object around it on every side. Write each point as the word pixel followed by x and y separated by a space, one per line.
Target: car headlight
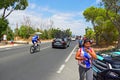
pixel 112 74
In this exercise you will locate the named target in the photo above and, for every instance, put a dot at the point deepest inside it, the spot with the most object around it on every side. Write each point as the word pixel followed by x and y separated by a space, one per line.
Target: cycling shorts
pixel 34 41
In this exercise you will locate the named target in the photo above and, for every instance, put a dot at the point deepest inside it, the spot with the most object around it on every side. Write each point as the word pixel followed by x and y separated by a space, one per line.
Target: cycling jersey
pixel 35 39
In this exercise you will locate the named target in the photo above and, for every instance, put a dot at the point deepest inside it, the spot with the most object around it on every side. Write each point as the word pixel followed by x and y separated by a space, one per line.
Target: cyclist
pixel 35 40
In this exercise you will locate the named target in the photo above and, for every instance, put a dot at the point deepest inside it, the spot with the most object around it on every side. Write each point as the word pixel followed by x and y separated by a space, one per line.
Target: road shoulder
pixel 70 70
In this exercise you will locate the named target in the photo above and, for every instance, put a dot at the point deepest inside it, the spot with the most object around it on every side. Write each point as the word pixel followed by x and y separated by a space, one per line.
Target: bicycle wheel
pixel 38 48
pixel 32 49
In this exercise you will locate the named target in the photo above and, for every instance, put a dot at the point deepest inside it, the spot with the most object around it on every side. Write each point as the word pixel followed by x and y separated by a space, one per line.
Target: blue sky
pixel 65 6
pixel 58 13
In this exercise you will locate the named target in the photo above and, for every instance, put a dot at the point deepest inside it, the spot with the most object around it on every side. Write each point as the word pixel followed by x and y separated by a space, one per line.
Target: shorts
pixel 85 73
pixel 34 41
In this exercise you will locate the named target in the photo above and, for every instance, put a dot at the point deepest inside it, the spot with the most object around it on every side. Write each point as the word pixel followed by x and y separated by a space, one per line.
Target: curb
pixel 19 43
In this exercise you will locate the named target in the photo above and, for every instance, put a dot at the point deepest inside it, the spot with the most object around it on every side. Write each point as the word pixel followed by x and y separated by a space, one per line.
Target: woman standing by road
pixel 84 56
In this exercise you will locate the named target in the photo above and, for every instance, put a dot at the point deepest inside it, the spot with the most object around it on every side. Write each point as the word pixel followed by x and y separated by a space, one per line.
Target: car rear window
pixel 58 39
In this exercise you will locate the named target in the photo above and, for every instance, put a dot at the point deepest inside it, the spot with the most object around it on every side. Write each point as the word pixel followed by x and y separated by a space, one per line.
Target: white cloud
pixel 18 17
pixel 98 1
pixel 60 19
pixel 47 9
pixel 32 6
pixel 65 21
pixel 63 16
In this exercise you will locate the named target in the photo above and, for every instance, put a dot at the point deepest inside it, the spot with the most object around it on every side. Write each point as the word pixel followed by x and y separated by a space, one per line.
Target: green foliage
pixel 16 31
pixel 68 32
pixel 113 6
pixel 94 14
pixel 90 33
pixel 110 33
pixel 53 33
pixel 25 31
pixel 44 35
pixel 11 5
pixel 16 4
pixel 9 33
pixel 3 26
pixel 90 14
pixel 8 7
pixel 103 27
pixel 61 33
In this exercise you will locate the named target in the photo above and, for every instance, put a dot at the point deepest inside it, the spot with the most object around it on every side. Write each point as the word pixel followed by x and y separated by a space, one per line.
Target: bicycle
pixel 35 48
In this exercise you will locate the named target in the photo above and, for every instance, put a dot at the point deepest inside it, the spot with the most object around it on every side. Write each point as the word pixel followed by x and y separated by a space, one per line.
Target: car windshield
pixel 118 50
pixel 58 39
pixel 113 54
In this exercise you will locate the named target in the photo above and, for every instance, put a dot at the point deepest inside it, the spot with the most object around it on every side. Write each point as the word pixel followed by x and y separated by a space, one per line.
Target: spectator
pixel 84 38
pixel 84 56
pixel 80 42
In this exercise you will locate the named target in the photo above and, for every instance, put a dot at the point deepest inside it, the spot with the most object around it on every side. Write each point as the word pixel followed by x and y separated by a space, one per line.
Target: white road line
pixel 7 48
pixel 23 46
pixel 44 48
pixel 70 54
pixel 61 68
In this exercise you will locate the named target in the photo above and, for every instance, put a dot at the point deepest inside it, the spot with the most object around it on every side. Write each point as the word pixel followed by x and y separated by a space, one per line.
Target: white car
pixel 73 38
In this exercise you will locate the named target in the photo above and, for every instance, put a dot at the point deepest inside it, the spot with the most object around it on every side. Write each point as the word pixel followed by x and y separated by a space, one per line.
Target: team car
pixel 107 65
pixel 60 43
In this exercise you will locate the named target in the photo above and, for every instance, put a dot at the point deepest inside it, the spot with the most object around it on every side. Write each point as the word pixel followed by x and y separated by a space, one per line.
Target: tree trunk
pixel 3 15
pixel 116 22
pixel 97 40
pixel 8 14
pixel 96 34
pixel 118 45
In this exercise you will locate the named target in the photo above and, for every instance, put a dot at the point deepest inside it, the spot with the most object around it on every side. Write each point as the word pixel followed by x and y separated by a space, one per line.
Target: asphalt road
pixel 16 63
